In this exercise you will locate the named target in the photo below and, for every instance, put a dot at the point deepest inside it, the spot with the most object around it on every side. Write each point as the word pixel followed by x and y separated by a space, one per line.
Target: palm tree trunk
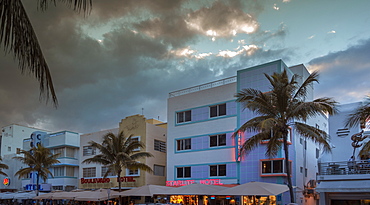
pixel 119 185
pixel 288 170
pixel 37 183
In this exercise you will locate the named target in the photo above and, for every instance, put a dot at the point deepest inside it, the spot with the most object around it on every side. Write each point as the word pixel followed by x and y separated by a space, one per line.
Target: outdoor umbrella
pixel 7 195
pixel 147 190
pixel 196 189
pixel 98 195
pixel 255 189
pixel 25 195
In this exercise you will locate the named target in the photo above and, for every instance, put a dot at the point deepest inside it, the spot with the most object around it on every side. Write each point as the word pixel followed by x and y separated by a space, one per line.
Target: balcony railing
pixel 344 167
pixel 203 86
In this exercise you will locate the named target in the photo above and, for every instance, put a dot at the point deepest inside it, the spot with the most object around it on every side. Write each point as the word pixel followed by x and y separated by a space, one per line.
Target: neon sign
pixel 187 182
pixel 6 181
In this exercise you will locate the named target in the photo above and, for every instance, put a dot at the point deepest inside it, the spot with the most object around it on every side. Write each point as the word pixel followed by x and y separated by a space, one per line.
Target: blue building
pixel 201 120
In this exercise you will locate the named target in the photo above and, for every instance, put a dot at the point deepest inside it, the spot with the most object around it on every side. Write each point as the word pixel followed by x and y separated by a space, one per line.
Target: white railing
pixel 203 87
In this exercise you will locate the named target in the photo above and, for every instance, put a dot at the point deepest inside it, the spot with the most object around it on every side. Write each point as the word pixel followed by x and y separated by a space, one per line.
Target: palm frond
pixel 76 5
pixel 359 116
pixel 314 134
pixel 17 36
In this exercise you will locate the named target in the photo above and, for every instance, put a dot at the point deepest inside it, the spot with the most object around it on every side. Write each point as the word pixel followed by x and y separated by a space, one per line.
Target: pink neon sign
pixel 187 182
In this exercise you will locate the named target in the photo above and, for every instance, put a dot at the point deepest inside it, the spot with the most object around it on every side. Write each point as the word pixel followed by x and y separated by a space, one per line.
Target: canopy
pixel 255 188
pixel 147 190
pixel 98 195
pixel 196 189
pixel 344 186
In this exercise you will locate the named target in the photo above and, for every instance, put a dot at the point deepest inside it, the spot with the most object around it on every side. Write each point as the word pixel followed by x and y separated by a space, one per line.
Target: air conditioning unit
pixel 311 183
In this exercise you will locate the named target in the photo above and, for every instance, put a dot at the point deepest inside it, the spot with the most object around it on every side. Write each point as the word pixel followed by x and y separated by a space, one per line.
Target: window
pixel 217 170
pixel 273 166
pixel 9 149
pixel 217 110
pixel 88 151
pixel 184 144
pixel 104 170
pixel 59 151
pixel 159 170
pixel 305 172
pixel 183 172
pixel 70 171
pixel 89 172
pixel 184 116
pixel 70 152
pixel 58 171
pixel 217 140
pixel 301 169
pixel 132 172
pixel 317 153
pixel 57 187
pixel 160 146
pixel 136 139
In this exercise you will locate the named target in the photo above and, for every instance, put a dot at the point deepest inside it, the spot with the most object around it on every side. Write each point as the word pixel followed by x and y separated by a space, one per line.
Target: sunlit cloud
pixel 233 21
pixel 247 49
pixel 183 52
pixel 311 37
pixel 332 31
pixel 286 1
pixel 276 7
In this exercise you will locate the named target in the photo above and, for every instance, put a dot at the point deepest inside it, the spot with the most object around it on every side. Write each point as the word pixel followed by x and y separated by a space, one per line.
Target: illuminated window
pixel 183 172
pixel 88 151
pixel 217 140
pixel 160 146
pixel 89 172
pixel 184 144
pixel 273 167
pixel 217 110
pixel 184 116
pixel 217 170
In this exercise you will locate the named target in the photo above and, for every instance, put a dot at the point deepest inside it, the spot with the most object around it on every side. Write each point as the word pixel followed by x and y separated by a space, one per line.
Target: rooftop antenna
pixel 142 111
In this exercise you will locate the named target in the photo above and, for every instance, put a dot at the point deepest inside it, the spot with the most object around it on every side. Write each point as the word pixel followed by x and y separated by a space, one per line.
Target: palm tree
pixel 18 37
pixel 39 159
pixel 118 152
pixel 359 117
pixel 278 111
pixel 3 166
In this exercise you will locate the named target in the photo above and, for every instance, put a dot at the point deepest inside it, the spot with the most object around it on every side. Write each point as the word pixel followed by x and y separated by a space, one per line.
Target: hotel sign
pixel 105 180
pixel 187 182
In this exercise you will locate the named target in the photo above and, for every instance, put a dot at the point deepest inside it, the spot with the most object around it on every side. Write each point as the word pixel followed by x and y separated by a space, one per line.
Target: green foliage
pixel 283 108
pixel 3 166
pixel 118 152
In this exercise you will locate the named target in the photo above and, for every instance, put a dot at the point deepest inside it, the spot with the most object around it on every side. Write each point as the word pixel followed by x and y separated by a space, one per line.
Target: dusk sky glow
pixel 126 56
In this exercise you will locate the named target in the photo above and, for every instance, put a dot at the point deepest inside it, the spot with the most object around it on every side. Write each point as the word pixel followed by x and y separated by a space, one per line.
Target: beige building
pixel 149 131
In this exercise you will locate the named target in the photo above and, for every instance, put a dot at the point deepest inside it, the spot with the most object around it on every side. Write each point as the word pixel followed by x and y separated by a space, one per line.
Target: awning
pixel 344 186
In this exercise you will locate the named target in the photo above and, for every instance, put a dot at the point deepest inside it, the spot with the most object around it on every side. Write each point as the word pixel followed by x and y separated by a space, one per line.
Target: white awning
pixel 344 186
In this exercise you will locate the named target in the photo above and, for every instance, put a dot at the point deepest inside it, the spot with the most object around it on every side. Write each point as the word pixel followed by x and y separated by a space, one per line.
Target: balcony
pixel 344 170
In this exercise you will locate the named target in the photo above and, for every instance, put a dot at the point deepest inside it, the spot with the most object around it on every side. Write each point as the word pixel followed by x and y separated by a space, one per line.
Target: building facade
pixel 149 131
pixel 342 180
pixel 201 120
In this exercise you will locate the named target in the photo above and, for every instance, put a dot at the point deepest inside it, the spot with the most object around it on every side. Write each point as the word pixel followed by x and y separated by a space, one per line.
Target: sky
pixel 125 57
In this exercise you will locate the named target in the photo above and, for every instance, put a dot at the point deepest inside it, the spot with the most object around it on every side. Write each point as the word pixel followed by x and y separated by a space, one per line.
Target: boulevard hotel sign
pixel 103 182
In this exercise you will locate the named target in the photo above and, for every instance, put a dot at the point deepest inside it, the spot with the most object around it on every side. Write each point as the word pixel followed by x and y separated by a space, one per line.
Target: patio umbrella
pixel 196 189
pixel 54 194
pixel 25 195
pixel 98 195
pixel 7 195
pixel 147 190
pixel 255 189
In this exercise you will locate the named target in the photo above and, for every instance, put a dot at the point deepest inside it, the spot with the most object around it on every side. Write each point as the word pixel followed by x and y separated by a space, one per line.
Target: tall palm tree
pixel 18 37
pixel 359 117
pixel 39 159
pixel 118 152
pixel 278 111
pixel 3 166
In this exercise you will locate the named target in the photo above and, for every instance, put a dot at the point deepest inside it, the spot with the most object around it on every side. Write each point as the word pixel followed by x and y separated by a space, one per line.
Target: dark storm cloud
pixel 344 75
pixel 129 72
